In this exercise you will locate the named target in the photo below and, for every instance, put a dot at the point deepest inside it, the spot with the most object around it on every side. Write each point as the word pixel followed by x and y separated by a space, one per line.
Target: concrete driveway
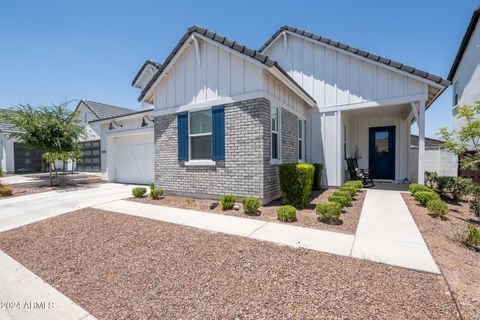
pixel 18 211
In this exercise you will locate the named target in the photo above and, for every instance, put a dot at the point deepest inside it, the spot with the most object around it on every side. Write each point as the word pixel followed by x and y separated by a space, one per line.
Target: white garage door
pixel 134 159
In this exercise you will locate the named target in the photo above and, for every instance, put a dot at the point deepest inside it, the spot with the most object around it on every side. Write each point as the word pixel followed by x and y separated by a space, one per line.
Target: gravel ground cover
pixel 124 267
pixel 459 264
pixel 305 218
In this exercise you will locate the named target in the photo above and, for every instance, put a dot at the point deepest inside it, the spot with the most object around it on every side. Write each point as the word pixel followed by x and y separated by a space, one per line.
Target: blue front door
pixel 382 152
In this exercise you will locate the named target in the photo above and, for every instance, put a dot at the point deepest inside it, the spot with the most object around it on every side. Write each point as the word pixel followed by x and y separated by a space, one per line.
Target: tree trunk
pixel 50 173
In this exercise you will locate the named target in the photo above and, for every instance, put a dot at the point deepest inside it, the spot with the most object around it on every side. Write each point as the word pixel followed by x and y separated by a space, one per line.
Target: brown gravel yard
pixel 124 267
pixel 22 191
pixel 459 264
pixel 305 218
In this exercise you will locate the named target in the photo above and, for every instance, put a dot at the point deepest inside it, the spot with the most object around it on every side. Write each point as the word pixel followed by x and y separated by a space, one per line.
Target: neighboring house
pixel 119 142
pixel 227 115
pixel 465 71
pixel 15 157
pixel 436 159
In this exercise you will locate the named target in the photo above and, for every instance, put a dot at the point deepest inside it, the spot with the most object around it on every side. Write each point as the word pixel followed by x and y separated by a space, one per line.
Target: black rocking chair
pixel 359 174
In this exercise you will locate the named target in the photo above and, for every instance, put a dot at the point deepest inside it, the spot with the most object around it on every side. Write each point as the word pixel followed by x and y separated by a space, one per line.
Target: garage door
pixel 134 159
pixel 90 160
pixel 27 160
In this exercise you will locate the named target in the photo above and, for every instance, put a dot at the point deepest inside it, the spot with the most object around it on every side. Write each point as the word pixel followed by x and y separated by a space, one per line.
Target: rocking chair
pixel 359 174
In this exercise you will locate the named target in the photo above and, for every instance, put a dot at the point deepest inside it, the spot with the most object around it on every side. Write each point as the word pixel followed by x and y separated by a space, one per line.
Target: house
pixel 465 71
pixel 227 115
pixel 15 157
pixel 119 142
pixel 436 159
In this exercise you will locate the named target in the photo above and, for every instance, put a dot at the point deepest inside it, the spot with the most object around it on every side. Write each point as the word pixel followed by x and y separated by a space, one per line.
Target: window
pixel 301 140
pixel 274 116
pixel 455 95
pixel 200 135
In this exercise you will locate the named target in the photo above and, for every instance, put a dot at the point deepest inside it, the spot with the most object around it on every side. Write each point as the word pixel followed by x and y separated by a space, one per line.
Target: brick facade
pixel 246 170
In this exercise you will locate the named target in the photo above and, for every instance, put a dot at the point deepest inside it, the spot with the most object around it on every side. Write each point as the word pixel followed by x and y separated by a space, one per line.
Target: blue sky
pixel 52 51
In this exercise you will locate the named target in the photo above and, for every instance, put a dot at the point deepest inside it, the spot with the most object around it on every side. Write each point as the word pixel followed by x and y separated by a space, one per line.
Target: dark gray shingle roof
pixel 103 111
pixel 429 142
pixel 359 52
pixel 226 42
pixel 148 62
pixel 465 41
pixel 6 126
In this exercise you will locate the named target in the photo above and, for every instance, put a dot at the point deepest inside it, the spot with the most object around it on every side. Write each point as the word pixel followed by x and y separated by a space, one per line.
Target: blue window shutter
pixel 218 133
pixel 182 119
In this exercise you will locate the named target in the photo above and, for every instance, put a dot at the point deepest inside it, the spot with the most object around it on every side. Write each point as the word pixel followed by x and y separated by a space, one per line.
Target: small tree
pixel 466 141
pixel 52 129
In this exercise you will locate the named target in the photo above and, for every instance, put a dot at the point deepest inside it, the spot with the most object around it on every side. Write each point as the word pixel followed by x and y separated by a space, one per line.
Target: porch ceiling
pixel 402 110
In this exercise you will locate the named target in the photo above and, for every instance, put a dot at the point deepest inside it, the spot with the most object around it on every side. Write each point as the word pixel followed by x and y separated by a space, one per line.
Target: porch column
pixel 421 141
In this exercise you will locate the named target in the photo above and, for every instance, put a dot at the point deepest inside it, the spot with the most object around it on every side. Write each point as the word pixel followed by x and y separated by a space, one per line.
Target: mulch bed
pixel 124 267
pixel 459 264
pixel 305 218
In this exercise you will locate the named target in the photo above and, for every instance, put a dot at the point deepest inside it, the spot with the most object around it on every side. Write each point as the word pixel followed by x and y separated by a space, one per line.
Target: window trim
pixel 198 161
pixel 278 160
pixel 303 139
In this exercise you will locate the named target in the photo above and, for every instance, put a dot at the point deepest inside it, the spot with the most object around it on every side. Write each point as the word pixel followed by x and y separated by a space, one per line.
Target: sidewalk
pixel 386 232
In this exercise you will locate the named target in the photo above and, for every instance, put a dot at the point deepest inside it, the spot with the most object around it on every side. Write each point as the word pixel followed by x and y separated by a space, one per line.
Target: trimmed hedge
pixel 415 187
pixel 343 193
pixel 138 192
pixel 287 213
pixel 341 200
pixel 424 196
pixel 156 193
pixel 5 191
pixel 350 189
pixel 228 202
pixel 329 211
pixel 355 183
pixel 317 176
pixel 250 205
pixel 437 208
pixel 296 180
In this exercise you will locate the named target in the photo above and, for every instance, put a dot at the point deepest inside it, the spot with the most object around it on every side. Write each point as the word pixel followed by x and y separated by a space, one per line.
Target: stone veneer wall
pixel 246 170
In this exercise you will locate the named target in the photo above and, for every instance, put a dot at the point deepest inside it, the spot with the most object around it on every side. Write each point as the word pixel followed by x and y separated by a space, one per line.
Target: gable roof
pixel 7 126
pixel 250 53
pixel 145 64
pixel 361 53
pixel 103 111
pixel 464 43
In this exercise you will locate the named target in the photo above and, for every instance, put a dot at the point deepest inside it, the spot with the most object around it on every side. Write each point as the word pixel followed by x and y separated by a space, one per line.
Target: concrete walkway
pixel 388 234
pixel 18 211
pixel 25 296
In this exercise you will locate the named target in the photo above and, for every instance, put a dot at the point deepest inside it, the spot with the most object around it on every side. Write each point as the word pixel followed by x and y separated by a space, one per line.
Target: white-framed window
pixel 301 140
pixel 275 133
pixel 200 134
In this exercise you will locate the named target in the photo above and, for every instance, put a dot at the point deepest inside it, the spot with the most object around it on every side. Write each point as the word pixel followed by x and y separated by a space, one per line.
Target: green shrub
pixel 415 187
pixel 437 208
pixel 152 186
pixel 5 191
pixel 424 196
pixel 228 202
pixel 443 183
pixel 250 205
pixel 460 187
pixel 138 192
pixel 473 236
pixel 474 201
pixel 356 183
pixel 329 211
pixel 430 177
pixel 350 189
pixel 296 181
pixel 156 193
pixel 341 200
pixel 317 176
pixel 343 193
pixel 287 213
